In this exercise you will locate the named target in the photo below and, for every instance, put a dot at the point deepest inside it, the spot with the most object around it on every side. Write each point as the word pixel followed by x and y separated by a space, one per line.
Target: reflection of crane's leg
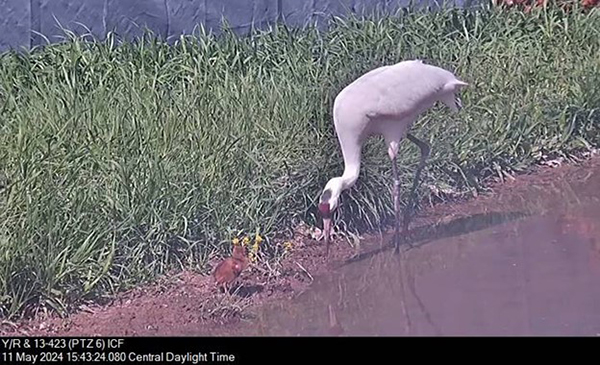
pixel 393 152
pixel 425 150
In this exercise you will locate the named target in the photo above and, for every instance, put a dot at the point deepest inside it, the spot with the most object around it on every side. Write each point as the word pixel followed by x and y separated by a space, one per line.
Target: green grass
pixel 120 161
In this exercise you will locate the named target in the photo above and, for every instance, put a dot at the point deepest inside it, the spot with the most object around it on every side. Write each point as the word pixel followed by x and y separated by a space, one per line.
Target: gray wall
pixel 20 20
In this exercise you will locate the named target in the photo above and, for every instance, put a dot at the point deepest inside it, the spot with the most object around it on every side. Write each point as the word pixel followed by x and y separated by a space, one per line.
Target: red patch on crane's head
pixel 324 207
pixel 324 210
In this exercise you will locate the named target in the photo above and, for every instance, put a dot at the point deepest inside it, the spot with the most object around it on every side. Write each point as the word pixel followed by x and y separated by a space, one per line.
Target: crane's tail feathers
pixel 453 86
pixel 450 98
pixel 458 84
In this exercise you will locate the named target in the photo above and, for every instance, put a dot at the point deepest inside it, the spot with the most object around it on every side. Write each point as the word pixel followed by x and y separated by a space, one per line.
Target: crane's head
pixel 326 209
pixel 328 202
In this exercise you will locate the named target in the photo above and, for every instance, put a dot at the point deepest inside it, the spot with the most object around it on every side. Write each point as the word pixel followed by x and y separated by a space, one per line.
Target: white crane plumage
pixel 385 101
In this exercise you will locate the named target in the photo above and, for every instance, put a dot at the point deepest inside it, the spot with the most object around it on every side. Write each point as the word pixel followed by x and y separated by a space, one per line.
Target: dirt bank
pixel 188 303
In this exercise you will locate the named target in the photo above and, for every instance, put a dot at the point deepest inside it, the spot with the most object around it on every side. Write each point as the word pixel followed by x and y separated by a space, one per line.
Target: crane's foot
pixel 401 239
pixel 402 236
pixel 396 241
pixel 406 223
pixel 398 237
pixel 403 242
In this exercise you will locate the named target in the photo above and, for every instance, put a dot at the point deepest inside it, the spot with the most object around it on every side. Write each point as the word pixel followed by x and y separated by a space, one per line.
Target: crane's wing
pixel 409 88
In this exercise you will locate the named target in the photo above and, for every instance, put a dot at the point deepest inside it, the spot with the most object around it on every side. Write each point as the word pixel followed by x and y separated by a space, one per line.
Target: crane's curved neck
pixel 351 154
pixel 351 167
pixel 351 149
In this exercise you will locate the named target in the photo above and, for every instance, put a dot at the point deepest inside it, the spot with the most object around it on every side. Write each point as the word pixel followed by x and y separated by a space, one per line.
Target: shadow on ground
pixel 432 232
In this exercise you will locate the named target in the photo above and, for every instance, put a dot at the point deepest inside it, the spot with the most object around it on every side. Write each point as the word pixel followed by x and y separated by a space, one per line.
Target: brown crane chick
pixel 230 269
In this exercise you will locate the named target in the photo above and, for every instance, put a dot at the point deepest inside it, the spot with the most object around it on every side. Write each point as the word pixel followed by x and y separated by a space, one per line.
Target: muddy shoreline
pixel 187 303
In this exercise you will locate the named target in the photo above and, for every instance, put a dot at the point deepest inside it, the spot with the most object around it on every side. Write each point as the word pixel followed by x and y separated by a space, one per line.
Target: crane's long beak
pixel 327 233
pixel 326 215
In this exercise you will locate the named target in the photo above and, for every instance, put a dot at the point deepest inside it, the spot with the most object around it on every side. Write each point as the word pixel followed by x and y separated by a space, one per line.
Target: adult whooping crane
pixel 385 101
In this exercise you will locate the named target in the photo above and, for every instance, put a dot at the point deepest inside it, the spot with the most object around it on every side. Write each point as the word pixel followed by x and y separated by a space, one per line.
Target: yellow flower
pixel 287 245
pixel 255 247
pixel 258 239
pixel 236 241
pixel 246 241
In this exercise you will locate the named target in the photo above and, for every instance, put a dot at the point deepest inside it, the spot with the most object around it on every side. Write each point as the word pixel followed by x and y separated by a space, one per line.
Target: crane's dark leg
pixel 396 198
pixel 395 194
pixel 425 150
